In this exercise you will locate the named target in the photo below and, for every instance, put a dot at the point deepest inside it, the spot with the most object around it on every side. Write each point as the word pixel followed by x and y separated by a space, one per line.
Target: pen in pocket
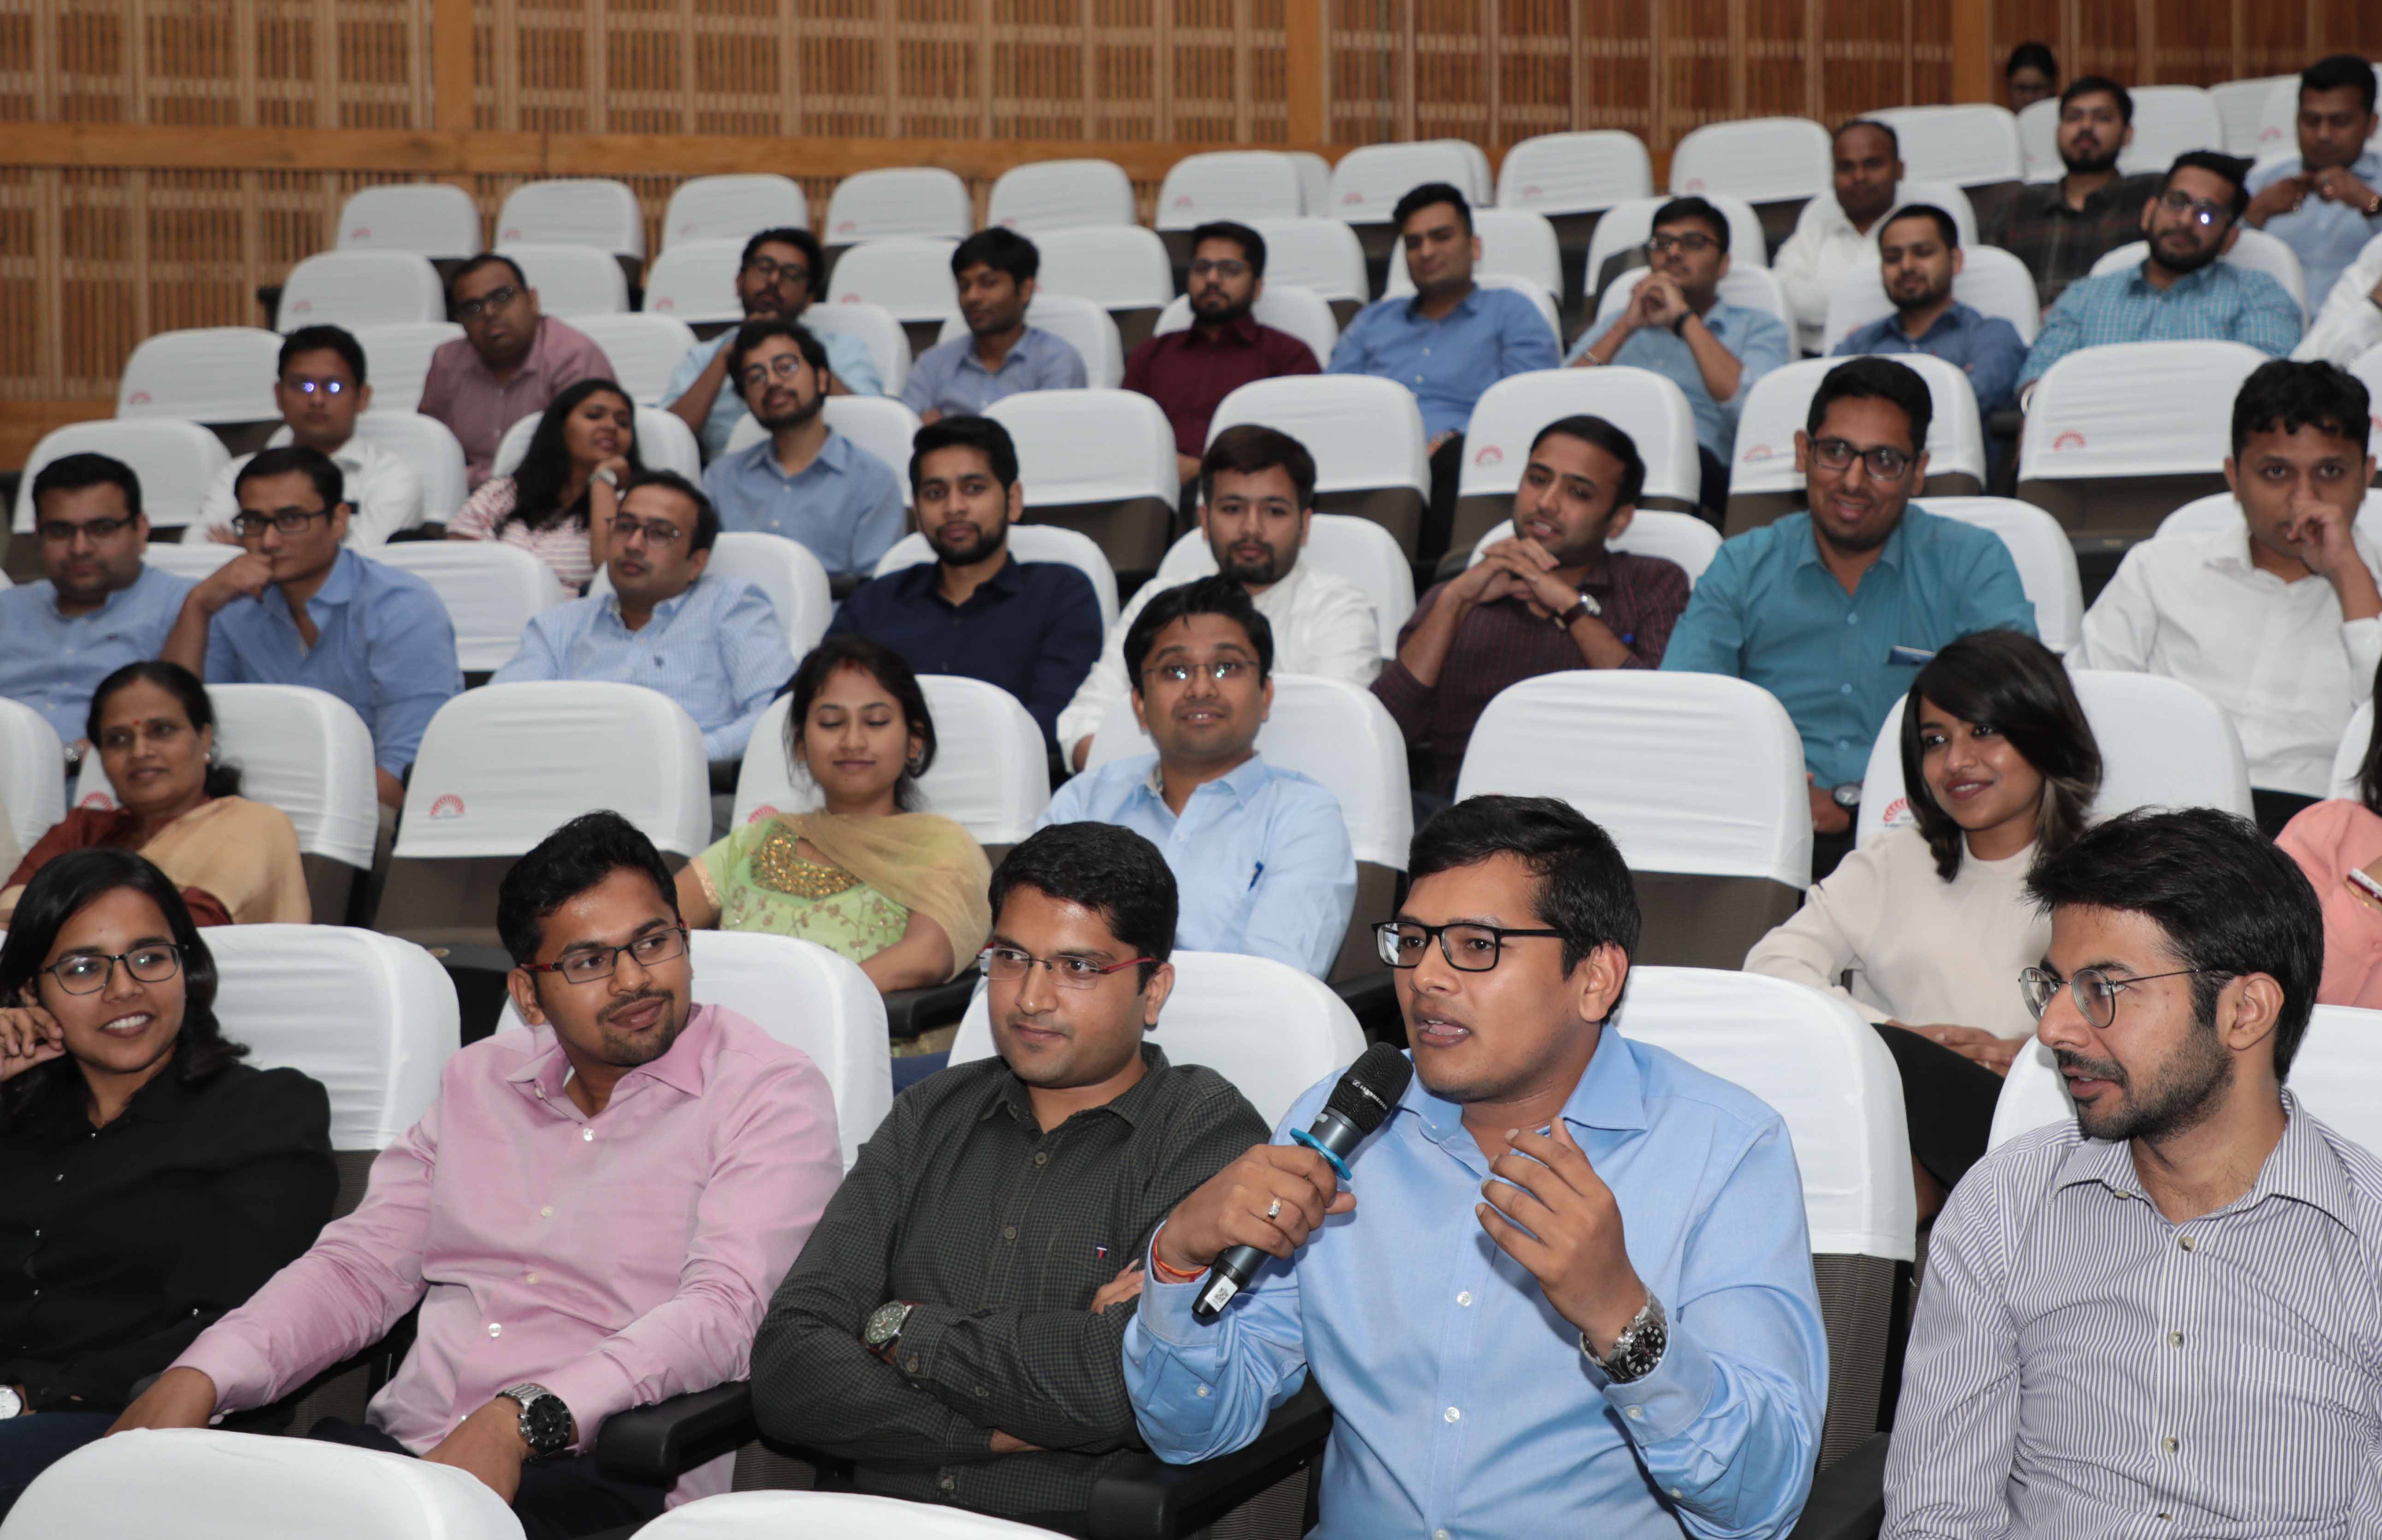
pixel 1255 875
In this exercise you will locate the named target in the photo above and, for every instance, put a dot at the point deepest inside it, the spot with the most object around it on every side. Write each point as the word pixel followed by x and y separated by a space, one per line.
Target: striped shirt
pixel 2220 302
pixel 2082 1368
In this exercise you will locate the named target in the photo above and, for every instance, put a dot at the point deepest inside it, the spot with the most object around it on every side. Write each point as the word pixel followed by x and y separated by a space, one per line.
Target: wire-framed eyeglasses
pixel 2094 989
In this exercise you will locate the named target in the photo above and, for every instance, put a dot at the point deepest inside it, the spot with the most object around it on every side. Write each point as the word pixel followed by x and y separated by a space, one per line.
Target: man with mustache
pixel 1031 627
pixel 2326 203
pixel 1835 237
pixel 1919 255
pixel 1001 355
pixel 777 276
pixel 712 644
pixel 2160 1316
pixel 510 362
pixel 591 1216
pixel 2059 229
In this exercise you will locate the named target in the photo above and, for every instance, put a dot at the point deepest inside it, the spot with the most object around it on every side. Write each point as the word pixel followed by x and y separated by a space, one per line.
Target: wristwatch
pixel 1848 796
pixel 544 1421
pixel 607 475
pixel 1584 605
pixel 11 1404
pixel 1639 1347
pixel 885 1324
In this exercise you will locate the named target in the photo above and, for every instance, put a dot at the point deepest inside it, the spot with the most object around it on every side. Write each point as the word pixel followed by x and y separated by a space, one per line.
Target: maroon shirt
pixel 1188 372
pixel 1502 643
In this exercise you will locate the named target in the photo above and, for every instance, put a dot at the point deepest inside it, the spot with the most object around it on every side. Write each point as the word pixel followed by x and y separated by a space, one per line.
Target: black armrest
pixel 1373 1000
pixel 910 1012
pixel 1145 1498
pixel 1849 1497
pixel 657 1444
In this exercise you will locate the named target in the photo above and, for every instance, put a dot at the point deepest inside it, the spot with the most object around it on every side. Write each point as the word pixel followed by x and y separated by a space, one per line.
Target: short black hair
pixel 2341 72
pixel 2099 85
pixel 2233 168
pixel 473 265
pixel 2281 396
pixel 1217 595
pixel 984 435
pixel 1875 379
pixel 1945 226
pixel 1893 139
pixel 1001 249
pixel 76 473
pixel 323 338
pixel 848 649
pixel 1252 244
pixel 760 329
pixel 1246 449
pixel 575 858
pixel 1612 441
pixel 1423 197
pixel 795 236
pixel 1584 886
pixel 1699 209
pixel 706 517
pixel 330 482
pixel 1107 869
pixel 2035 55
pixel 2228 902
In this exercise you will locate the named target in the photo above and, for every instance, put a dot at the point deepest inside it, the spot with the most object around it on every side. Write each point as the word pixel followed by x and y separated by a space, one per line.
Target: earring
pixel 215 756
pixel 916 764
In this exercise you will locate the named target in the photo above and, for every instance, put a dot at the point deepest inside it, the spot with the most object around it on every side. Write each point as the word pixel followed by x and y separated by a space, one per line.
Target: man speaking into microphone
pixel 1568 1287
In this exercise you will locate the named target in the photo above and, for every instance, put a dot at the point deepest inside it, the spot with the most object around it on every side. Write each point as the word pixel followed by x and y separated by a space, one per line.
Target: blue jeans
pixel 32 1444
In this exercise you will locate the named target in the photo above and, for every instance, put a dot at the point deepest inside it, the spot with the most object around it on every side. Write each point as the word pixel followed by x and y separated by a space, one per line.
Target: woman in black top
pixel 148 1182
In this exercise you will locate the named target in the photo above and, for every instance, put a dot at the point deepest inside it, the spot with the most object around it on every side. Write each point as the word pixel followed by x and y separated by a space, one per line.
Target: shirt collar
pixel 1244 781
pixel 834 457
pixel 1890 555
pixel 2190 283
pixel 1243 332
pixel 1467 306
pixel 347 570
pixel 664 612
pixel 1129 1105
pixel 1611 1095
pixel 1021 352
pixel 2302 1167
pixel 548 1070
pixel 1953 319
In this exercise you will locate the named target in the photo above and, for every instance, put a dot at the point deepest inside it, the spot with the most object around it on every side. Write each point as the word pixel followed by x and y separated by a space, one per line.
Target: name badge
pixel 1913 656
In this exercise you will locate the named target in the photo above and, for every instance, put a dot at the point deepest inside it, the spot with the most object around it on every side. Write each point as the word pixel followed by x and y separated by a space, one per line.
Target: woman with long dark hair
pixel 558 503
pixel 2339 844
pixel 149 1181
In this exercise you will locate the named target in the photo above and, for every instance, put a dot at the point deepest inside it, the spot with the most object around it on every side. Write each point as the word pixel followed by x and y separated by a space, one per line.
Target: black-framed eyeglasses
pixel 785 366
pixel 316 387
pixel 289 521
pixel 2206 215
pixel 495 298
pixel 1885 462
pixel 2094 989
pixel 1222 267
pixel 1221 671
pixel 1468 948
pixel 1007 964
pixel 1693 243
pixel 57 531
pixel 777 272
pixel 656 532
pixel 88 972
pixel 587 966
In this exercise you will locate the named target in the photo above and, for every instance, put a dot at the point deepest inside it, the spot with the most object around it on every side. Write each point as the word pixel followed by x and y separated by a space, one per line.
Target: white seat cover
pixel 1084 324
pixel 503 766
pixel 2278 132
pixel 644 348
pixel 424 443
pixel 909 276
pixel 694 281
pixel 1060 195
pixel 1688 772
pixel 398 359
pixel 1514 243
pixel 32 784
pixel 1364 432
pixel 1990 282
pixel 1821 1069
pixel 1286 307
pixel 491 591
pixel 785 571
pixel 1969 144
pixel 903 201
pixel 990 772
pixel 571 281
pixel 1314 179
pixel 1229 184
pixel 1758 159
pixel 1685 540
pixel 1940 193
pixel 1652 410
pixel 355 288
pixel 205 373
pixel 2038 140
pixel 2367 366
pixel 879 425
pixel 2348 760
pixel 1627 224
pixel 734 207
pixel 1369 180
pixel 1089 446
pixel 887 344
pixel 1321 254
pixel 1341 544
pixel 1575 173
pixel 1117 267
pixel 664 443
pixel 847 1515
pixel 2163 745
pixel 2241 107
pixel 2253 249
pixel 2135 409
pixel 578 211
pixel 1268 1028
pixel 436 219
pixel 1028 543
pixel 175 462
pixel 2045 558
pixel 2169 120
pixel 1780 403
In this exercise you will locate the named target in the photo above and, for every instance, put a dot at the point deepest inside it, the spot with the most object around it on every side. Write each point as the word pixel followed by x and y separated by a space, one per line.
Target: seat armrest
pixel 1848 1499
pixel 657 1444
pixel 1142 1497
pixel 910 1012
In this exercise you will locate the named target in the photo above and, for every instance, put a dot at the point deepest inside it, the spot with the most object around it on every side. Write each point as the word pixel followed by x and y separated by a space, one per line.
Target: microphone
pixel 1357 1105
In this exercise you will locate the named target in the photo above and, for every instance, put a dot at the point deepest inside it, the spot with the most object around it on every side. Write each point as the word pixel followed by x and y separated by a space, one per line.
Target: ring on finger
pixel 1273 1210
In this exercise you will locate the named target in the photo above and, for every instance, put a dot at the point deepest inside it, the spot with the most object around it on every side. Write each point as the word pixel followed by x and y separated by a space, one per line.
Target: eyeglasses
pixel 1006 965
pixel 495 298
pixel 1691 243
pixel 1224 670
pixel 1885 462
pixel 785 366
pixel 1224 269
pixel 1468 948
pixel 777 272
pixel 2176 200
pixel 656 532
pixel 2094 991
pixel 289 521
pixel 59 532
pixel 316 386
pixel 597 962
pixel 88 972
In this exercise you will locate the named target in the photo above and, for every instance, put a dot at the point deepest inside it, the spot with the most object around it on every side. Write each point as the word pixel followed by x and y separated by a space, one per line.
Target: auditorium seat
pixel 1086 325
pixel 1323 255
pixel 1990 281
pixel 32 784
pixel 571 281
pixel 2169 120
pixel 908 276
pixel 1122 268
pixel 2163 745
pixel 1626 226
pixel 491 591
pixel 1357 550
pixel 734 207
pixel 2253 249
pixel 2241 107
pixel 1229 184
pixel 2367 366
pixel 1028 543
pixel 2045 558
pixel 1698 779
pixel 575 211
pixel 696 282
pixel 1764 484
pixel 2038 140
pixel 2118 436
pixel 2278 123
pixel 1773 163
pixel 1060 195
pixel 425 443
pixel 1970 144
pixel 644 346
pixel 879 423
pixel 1652 410
pixel 436 219
pixel 396 358
pixel 887 343
pixel 1286 307
pixel 1564 175
pixel 664 443
pixel 177 462
pixel 353 288
pixel 1685 540
pixel 219 376
pixel 785 571
pixel 1367 182
pixel 1101 462
pixel 2348 760
pixel 902 200
pixel 1314 180
pixel 2219 511
pixel 1514 243
pixel 1364 433
pixel 848 1515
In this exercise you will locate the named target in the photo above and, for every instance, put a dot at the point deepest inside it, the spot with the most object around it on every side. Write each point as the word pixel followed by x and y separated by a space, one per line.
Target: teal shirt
pixel 1770 613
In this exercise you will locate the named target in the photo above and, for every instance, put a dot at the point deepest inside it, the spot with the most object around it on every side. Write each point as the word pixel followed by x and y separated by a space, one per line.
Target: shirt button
pixel 2175 1340
pixel 1439 1534
pixel 2168 1444
pixel 1852 618
pixel 2185 1241
pixel 546 1212
pixel 982 1391
pixel 495 1330
pixel 529 1277
pixel 1635 1413
pixel 1453 1415
pixel 909 1365
pixel 1845 689
pixel 1041 1157
pixel 589 1134
pixel 1465 1298
pixel 1009 1232
pixel 947 1484
pixel 1201 1391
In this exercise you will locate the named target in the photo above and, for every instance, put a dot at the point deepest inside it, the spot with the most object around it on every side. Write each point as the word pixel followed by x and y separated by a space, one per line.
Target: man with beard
pixel 776 275
pixel 1832 610
pixel 2059 229
pixel 510 362
pixel 1257 502
pixel 806 481
pixel 1919 255
pixel 1260 856
pixel 591 1216
pixel 2161 1316
pixel 1031 627
pixel 2180 291
pixel 2326 203
pixel 1189 373
pixel 993 271
pixel 712 644
pixel 1550 597
pixel 1835 237
pixel 954 1330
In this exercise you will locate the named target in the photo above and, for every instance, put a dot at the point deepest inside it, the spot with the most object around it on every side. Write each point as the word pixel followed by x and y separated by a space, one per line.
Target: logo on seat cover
pixel 843 226
pixel 99 802
pixel 512 235
pixel 137 398
pixel 1758 452
pixel 448 807
pixel 1898 812
pixel 1184 199
pixel 1531 191
pixel 362 232
pixel 764 811
pixel 1695 184
pixel 1352 197
pixel 2071 440
pixel 665 302
pixel 1490 455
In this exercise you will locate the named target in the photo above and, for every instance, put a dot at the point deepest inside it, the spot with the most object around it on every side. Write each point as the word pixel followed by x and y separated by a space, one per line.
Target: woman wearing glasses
pixel 235 861
pixel 558 503
pixel 1929 922
pixel 149 1182
pixel 2337 844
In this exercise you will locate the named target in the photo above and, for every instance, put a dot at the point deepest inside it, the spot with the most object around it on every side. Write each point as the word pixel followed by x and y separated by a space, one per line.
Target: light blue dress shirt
pixel 950 378
pixel 2219 302
pixel 52 662
pixel 1757 340
pixel 1464 1405
pixel 2325 235
pixel 1768 611
pixel 1448 363
pixel 1985 348
pixel 717 649
pixel 384 643
pixel 846 506
pixel 847 355
pixel 1261 860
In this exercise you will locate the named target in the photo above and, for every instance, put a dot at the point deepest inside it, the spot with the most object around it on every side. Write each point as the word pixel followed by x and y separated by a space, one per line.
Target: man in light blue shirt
pixel 712 644
pixel 295 608
pixel 2324 203
pixel 1919 255
pixel 806 481
pixel 1260 857
pixel 994 271
pixel 99 608
pixel 775 276
pixel 1623 1340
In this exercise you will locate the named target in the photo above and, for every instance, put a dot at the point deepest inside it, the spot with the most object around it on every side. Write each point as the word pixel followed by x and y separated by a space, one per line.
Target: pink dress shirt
pixel 616 1259
pixel 2329 840
pixel 461 391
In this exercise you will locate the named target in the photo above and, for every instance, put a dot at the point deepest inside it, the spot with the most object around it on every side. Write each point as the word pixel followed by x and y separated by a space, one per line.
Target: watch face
pixel 885 1323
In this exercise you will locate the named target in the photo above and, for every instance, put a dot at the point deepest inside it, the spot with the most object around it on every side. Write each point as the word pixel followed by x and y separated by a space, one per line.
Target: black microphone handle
pixel 1231 1272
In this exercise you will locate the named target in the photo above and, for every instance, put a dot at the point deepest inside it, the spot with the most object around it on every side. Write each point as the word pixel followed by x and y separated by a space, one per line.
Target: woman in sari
pixel 235 861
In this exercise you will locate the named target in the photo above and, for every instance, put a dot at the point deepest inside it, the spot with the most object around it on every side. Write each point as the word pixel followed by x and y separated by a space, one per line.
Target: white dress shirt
pixel 2276 656
pixel 1322 625
pixel 1824 252
pixel 2349 322
pixel 386 493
